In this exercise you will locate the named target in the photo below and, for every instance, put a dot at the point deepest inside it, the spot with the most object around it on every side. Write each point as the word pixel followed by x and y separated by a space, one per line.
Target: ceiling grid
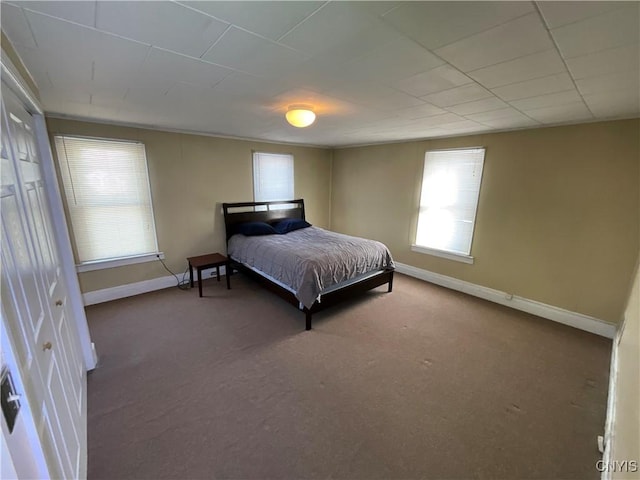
pixel 373 71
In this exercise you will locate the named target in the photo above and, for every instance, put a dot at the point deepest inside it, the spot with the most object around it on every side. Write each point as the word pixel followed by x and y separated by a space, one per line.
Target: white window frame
pixel 259 167
pixel 459 256
pixel 100 264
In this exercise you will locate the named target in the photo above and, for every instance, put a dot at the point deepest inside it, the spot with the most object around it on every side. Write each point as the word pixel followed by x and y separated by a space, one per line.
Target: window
pixel 272 176
pixel 106 186
pixel 448 202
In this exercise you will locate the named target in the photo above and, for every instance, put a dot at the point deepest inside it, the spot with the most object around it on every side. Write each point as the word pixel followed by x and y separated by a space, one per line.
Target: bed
pixel 309 267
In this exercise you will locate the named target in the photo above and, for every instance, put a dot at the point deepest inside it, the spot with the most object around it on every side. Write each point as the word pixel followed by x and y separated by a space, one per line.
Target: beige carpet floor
pixel 420 383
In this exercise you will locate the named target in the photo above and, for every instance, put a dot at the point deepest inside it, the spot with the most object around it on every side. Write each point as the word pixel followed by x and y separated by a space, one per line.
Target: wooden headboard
pixel 269 212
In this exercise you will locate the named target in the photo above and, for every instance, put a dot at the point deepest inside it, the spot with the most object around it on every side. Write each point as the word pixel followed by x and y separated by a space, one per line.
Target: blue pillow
pixel 290 224
pixel 256 228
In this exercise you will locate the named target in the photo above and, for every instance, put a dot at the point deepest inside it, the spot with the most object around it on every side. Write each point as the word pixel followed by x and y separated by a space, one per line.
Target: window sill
pixel 458 257
pixel 118 262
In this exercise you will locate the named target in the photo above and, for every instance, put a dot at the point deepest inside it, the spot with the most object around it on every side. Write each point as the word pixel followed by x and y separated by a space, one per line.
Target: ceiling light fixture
pixel 300 116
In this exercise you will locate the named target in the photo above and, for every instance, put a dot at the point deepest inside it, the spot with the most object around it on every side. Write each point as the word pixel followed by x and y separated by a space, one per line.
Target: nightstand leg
pixel 200 281
pixel 190 275
pixel 218 272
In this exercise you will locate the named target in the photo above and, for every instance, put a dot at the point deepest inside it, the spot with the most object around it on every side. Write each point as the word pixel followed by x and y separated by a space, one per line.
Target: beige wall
pixel 626 424
pixel 557 217
pixel 190 176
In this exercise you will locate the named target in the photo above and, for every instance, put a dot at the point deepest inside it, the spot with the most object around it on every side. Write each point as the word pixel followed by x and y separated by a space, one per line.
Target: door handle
pixel 46 346
pixel 14 397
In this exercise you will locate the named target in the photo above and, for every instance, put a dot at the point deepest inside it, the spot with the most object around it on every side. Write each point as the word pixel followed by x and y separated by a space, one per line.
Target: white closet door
pixel 35 298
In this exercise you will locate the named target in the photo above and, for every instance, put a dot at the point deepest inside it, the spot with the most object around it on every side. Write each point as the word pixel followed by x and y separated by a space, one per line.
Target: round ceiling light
pixel 300 116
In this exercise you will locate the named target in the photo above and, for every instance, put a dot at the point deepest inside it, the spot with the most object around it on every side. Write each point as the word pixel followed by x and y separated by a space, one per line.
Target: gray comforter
pixel 311 259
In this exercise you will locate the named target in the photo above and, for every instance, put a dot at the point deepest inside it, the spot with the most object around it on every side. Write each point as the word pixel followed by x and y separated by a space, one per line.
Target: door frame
pixel 60 232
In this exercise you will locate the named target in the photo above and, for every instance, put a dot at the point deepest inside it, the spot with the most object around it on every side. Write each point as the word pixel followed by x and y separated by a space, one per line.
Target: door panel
pixel 43 246
pixel 19 281
pixel 49 446
pixel 35 297
pixel 64 416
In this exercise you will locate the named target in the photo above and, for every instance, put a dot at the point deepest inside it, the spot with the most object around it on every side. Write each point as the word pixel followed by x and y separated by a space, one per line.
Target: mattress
pixel 311 260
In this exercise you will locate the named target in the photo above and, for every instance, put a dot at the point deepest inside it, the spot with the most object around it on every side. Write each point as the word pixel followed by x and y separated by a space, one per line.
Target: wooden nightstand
pixel 209 261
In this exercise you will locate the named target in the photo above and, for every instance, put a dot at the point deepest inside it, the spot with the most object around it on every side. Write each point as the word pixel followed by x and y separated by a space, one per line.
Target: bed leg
pixel 307 316
pixel 390 283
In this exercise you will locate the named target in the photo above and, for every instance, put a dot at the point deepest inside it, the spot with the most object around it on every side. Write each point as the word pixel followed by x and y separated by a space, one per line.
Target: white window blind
pixel 272 176
pixel 106 185
pixel 449 199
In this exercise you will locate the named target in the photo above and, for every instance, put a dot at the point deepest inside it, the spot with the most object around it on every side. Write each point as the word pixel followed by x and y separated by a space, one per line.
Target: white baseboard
pixel 146 286
pixel 566 317
pixel 560 315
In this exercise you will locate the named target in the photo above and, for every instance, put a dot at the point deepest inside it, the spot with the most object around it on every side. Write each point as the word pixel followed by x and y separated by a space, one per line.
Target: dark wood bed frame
pixel 237 213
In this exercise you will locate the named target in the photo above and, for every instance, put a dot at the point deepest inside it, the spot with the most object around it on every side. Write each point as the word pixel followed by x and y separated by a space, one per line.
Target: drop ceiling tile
pixel 244 51
pixel 435 24
pixel 525 68
pixel 56 96
pixel 436 133
pixel 421 111
pixel 191 99
pixel 511 122
pixel 374 36
pixel 148 93
pixel 393 102
pixel 478 106
pixel 82 74
pixel 463 126
pixel 455 96
pixel 502 113
pixel 434 80
pixel 174 26
pixel 439 120
pixel 571 112
pixel 374 95
pixel 559 13
pixel 613 29
pixel 381 8
pixel 102 112
pixel 270 19
pixel 15 25
pixel 517 38
pixel 620 59
pixel 243 84
pixel 559 98
pixel 614 104
pixel 108 75
pixel 180 68
pixel 62 39
pixel 330 26
pixel 612 82
pixel 316 74
pixel 535 87
pixel 83 12
pixel 65 102
pixel 52 72
pixel 395 60
pixel 106 97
